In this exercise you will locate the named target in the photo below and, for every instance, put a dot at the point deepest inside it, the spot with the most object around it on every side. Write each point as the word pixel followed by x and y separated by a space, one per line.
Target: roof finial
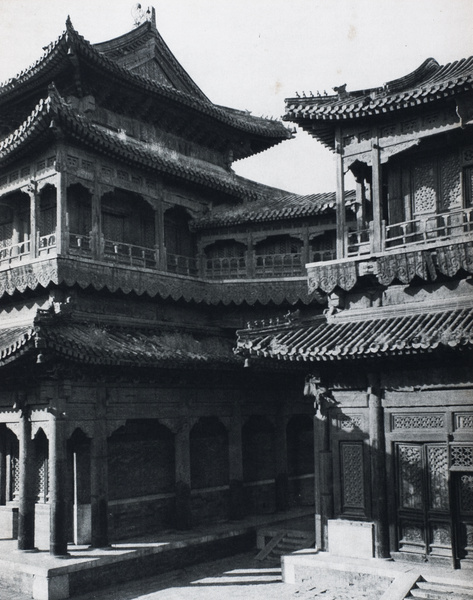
pixel 141 15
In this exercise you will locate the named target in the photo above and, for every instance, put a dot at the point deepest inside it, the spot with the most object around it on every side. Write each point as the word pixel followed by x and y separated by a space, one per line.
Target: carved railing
pixel 423 230
pixel 323 255
pixel 15 252
pixel 46 243
pixel 278 265
pixel 130 254
pixel 226 267
pixel 80 244
pixel 359 242
pixel 182 265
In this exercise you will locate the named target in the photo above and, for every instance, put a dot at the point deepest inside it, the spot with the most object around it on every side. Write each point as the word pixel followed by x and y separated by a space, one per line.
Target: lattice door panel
pixel 423 515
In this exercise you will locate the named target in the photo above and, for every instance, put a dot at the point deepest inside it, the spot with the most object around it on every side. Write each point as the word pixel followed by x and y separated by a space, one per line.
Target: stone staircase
pixel 434 588
pixel 286 542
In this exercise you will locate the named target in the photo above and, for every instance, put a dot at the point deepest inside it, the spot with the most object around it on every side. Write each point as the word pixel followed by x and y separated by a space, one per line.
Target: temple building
pixel 389 363
pixel 130 253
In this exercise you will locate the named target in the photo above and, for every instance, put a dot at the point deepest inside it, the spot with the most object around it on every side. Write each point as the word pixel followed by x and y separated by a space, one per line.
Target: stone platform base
pixel 99 568
pixel 388 579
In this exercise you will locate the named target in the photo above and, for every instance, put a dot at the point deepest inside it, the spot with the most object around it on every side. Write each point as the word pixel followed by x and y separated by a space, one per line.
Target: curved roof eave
pixel 71 42
pixel 54 109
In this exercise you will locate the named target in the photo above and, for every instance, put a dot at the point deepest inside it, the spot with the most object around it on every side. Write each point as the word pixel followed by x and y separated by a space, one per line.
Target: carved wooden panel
pixel 438 477
pixel 419 421
pixel 466 494
pixel 410 472
pixel 351 456
pixel 450 183
pixel 464 421
pixel 461 457
pixel 425 196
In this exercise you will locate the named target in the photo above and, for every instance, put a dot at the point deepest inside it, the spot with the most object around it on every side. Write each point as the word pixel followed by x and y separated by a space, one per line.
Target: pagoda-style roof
pixel 79 68
pixel 428 84
pixel 289 206
pixel 143 51
pixel 94 344
pixel 343 338
pixel 53 114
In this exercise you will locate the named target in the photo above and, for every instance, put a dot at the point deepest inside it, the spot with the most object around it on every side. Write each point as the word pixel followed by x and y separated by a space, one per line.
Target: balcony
pixel 423 231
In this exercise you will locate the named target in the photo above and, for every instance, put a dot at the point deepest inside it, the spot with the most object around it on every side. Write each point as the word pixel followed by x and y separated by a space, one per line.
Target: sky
pixel 252 54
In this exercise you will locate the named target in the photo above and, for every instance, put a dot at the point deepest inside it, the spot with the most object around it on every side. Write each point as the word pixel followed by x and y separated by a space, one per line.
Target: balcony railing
pixel 279 265
pixel 230 267
pixel 47 243
pixel 15 252
pixel 424 230
pixel 241 267
pixel 182 265
pixel 130 254
pixel 80 244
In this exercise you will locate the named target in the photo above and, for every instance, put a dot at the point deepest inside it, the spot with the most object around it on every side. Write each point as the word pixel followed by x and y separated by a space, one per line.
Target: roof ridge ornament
pixel 140 15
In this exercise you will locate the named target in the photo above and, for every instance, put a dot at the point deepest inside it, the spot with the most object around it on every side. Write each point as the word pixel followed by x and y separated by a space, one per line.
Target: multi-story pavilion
pixel 390 361
pixel 130 252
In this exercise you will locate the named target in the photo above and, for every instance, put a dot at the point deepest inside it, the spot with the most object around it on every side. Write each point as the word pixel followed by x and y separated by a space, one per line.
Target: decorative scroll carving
pixel 466 494
pixel 412 533
pixel 438 477
pixel 450 259
pixel 441 534
pixel 427 421
pixel 410 463
pixel 403 267
pixel 328 277
pixel 468 155
pixel 351 454
pixel 29 276
pixel 464 421
pixel 461 456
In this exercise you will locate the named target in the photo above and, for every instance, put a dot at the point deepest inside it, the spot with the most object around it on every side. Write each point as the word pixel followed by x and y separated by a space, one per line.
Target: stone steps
pixel 432 590
pixel 286 543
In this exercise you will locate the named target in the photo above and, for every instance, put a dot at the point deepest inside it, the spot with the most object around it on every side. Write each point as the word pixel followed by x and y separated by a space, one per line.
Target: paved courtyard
pixel 239 577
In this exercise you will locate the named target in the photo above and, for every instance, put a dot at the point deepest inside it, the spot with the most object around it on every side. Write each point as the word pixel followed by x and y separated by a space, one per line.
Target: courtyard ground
pixel 239 577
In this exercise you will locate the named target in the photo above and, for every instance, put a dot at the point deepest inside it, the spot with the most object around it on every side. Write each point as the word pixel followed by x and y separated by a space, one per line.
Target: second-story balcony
pixel 426 230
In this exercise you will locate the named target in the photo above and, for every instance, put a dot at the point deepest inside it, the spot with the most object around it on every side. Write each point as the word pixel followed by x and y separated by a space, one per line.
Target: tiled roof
pixel 139 38
pixel 93 344
pixel 290 206
pixel 323 340
pixel 429 83
pixel 54 110
pixel 57 57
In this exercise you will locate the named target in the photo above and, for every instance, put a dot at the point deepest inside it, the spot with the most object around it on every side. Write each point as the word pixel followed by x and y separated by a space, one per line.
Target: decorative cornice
pixel 404 266
pixel 102 276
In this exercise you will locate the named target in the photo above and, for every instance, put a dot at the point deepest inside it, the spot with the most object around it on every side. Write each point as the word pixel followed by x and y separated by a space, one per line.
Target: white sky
pixel 252 54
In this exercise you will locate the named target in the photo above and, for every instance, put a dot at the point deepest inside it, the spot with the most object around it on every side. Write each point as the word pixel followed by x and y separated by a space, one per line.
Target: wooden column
pixel 250 257
pixel 96 232
pixel 282 479
pixel 62 233
pixel 99 485
pixel 361 204
pixel 378 469
pixel 159 225
pixel 323 480
pixel 57 489
pixel 34 218
pixel 340 198
pixel 236 510
pixel 183 476
pixel 3 463
pixel 376 196
pixel 26 506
